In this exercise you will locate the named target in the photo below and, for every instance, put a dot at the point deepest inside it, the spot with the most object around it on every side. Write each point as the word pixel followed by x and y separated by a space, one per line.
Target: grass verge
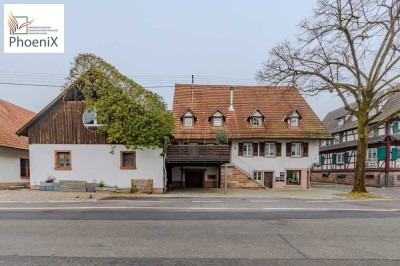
pixel 363 195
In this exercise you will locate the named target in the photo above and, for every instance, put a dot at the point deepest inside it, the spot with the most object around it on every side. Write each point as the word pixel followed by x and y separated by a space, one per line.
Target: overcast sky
pixel 159 42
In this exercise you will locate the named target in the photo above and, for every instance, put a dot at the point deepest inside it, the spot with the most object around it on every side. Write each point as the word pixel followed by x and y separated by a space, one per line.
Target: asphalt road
pixel 192 231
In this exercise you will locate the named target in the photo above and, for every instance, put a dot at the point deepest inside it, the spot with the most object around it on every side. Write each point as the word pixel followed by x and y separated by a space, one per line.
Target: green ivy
pixel 131 115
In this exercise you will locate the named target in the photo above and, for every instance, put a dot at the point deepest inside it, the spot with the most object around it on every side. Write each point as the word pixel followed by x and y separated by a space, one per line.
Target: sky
pixel 159 43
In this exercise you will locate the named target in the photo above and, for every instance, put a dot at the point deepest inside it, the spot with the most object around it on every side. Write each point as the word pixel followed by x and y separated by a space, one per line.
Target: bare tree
pixel 350 48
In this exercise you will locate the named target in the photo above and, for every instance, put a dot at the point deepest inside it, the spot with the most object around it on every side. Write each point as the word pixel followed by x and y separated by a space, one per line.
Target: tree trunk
pixel 362 145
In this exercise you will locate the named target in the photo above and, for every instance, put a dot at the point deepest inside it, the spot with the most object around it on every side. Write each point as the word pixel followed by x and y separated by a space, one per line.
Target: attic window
pixel 293 118
pixel 188 118
pixel 217 118
pixel 294 122
pixel 256 118
pixel 256 121
pixel 90 120
pixel 340 121
pixel 188 121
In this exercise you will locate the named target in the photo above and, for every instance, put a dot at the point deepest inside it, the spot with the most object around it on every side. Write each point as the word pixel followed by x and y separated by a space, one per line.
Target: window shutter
pixel 395 127
pixel 240 149
pixel 321 160
pixel 305 149
pixel 334 158
pixel 394 154
pixel 255 149
pixel 381 153
pixel 346 157
pixel 288 149
pixel 262 148
pixel 278 147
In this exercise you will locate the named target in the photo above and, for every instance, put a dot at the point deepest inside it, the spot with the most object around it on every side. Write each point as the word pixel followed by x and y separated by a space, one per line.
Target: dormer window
pixel 217 118
pixel 294 122
pixel 256 118
pixel 217 121
pixel 188 118
pixel 340 121
pixel 293 118
pixel 188 121
pixel 256 121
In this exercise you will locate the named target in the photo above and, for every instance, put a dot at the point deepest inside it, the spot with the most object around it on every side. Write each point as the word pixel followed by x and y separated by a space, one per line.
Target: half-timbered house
pixel 64 143
pixel 338 156
pixel 14 153
pixel 271 137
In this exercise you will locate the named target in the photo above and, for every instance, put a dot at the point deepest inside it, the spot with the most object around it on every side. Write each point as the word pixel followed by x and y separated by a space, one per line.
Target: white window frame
pixel 254 119
pixel 247 149
pixel 186 119
pixel 258 176
pixel 294 122
pixel 269 149
pixel 217 119
pixel 95 123
pixel 296 150
pixel 340 158
pixel 372 154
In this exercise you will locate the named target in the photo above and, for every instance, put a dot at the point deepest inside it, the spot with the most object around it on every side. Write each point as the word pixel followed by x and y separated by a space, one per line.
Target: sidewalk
pixel 319 191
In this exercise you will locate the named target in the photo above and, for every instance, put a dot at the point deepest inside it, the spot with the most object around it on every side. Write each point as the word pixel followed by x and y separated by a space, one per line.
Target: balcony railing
pixel 198 154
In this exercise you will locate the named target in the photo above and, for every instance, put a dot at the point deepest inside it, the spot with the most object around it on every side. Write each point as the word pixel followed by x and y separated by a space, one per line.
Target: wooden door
pixel 268 179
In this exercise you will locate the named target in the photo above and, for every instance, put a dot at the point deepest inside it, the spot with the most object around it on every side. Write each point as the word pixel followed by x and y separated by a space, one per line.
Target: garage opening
pixel 194 178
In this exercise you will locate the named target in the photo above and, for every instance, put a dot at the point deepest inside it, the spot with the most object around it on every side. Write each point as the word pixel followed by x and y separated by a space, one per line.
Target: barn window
pixel 62 160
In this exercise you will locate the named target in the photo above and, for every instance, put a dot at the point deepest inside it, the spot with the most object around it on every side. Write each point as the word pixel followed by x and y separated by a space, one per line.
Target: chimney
pixel 231 109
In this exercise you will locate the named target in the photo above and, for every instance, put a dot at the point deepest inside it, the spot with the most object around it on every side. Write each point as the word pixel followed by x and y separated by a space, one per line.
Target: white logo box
pixel 33 28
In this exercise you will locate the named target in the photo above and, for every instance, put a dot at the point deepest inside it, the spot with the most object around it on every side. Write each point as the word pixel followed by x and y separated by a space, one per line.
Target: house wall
pixel 281 163
pixel 10 171
pixel 96 162
pixel 208 170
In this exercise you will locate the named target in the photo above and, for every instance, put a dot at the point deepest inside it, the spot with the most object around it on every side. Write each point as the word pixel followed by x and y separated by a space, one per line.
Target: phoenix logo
pixel 13 23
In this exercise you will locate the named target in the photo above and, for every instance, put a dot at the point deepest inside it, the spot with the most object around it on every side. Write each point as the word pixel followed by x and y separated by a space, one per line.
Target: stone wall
pixel 142 186
pixel 372 179
pixel 238 179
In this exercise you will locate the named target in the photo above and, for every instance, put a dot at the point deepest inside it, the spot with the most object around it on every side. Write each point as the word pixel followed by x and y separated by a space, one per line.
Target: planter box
pixel 49 186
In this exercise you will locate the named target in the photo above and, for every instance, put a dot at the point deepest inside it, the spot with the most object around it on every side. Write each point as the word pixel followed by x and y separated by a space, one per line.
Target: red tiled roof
pixel 13 117
pixel 274 102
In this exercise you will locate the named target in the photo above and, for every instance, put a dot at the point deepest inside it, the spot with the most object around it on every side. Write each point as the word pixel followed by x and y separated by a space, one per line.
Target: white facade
pixel 279 164
pixel 10 171
pixel 99 162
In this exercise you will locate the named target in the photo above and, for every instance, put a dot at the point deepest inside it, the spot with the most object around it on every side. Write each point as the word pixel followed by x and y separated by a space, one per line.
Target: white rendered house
pixel 272 137
pixel 65 145
pixel 14 153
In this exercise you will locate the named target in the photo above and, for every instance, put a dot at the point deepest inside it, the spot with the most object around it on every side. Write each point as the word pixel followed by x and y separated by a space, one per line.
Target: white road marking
pixel 206 201
pixel 189 208
pixel 262 201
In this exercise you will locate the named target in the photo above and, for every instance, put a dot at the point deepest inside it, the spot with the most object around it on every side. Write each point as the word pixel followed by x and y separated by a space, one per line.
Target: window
pixel 128 160
pixel 296 150
pixel 340 158
pixel 188 121
pixel 257 176
pixel 340 121
pixel 256 121
pixel 269 149
pixel 247 149
pixel 372 154
pixel 62 160
pixel 217 121
pixel 293 177
pixel 90 120
pixel 294 121
pixel 24 166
